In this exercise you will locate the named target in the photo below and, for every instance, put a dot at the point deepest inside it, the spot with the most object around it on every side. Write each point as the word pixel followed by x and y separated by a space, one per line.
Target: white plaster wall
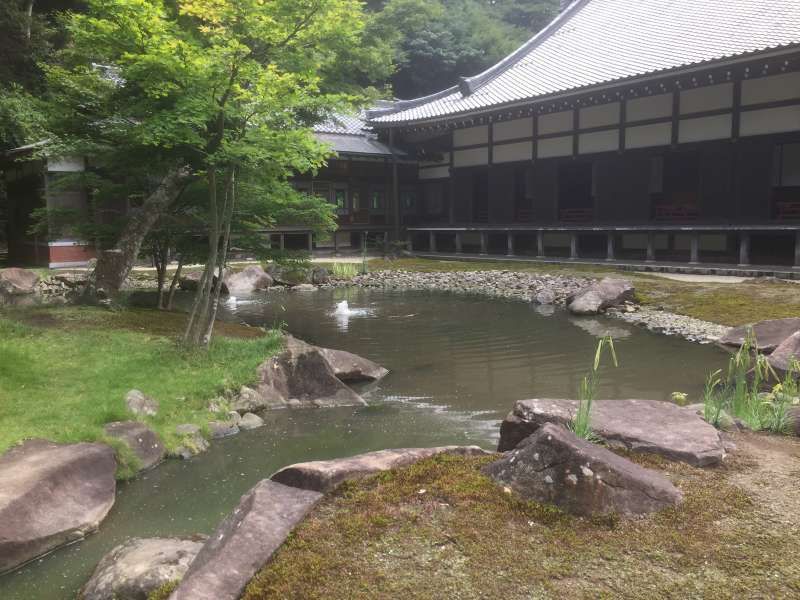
pixel 556 122
pixel 472 157
pixel 646 136
pixel 598 141
pixel 770 120
pixel 705 128
pixel 509 130
pixel 66 164
pixel 470 136
pixel 651 107
pixel 712 97
pixel 512 152
pixel 560 146
pixel 769 89
pixel 598 116
pixel 435 173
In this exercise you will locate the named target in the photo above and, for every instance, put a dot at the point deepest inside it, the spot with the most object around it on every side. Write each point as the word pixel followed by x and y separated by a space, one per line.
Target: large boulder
pixel 134 569
pixel 250 279
pixel 325 475
pixel 191 281
pixel 646 426
pixel 320 276
pixel 786 355
pixel 599 296
pixel 15 281
pixel 143 441
pixel 350 367
pixel 290 275
pixel 769 334
pixel 556 467
pixel 298 377
pixel 245 541
pixel 52 495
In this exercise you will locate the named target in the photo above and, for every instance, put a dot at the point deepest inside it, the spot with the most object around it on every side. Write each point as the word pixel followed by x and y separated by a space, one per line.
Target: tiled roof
pixel 601 41
pixel 350 134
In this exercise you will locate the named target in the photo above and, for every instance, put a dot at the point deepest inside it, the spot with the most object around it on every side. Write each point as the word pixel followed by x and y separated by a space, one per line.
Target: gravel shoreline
pixel 538 289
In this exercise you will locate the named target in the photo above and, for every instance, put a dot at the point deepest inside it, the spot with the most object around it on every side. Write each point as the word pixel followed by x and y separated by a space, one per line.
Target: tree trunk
pixel 114 266
pixel 227 218
pixel 30 19
pixel 173 286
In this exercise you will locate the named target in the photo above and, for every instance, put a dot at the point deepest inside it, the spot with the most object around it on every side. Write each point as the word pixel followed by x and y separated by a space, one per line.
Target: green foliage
pixel 344 270
pixel 587 392
pixel 164 591
pixel 740 393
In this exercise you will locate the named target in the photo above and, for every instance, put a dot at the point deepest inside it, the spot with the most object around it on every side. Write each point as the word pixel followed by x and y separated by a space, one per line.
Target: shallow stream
pixel 458 364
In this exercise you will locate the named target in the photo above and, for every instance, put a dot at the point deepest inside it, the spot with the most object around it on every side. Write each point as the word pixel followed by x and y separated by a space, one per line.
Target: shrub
pixel 344 270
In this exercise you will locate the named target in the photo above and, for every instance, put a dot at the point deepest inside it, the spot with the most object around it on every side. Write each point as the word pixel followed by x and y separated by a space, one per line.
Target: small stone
pixel 222 429
pixel 250 421
pixel 140 404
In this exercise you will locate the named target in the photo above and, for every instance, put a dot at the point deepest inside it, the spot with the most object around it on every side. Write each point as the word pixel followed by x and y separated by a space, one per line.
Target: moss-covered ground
pixel 65 371
pixel 441 530
pixel 724 303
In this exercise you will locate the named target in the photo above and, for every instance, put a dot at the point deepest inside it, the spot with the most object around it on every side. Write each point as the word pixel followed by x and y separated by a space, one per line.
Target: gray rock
pixel 52 495
pixel 646 426
pixel 349 367
pixel 598 297
pixel 15 281
pixel 325 475
pixel 304 287
pixel 222 429
pixel 769 334
pixel 193 442
pixel 133 570
pixel 250 279
pixel 191 281
pixel 141 405
pixel 555 466
pixel 786 355
pixel 545 297
pixel 143 441
pixel 320 276
pixel 301 372
pixel 794 419
pixel 245 541
pixel 250 421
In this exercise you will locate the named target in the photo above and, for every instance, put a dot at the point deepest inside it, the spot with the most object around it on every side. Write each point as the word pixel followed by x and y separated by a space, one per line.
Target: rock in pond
pixel 52 495
pixel 325 475
pixel 191 281
pixel 769 334
pixel 222 429
pixel 300 377
pixel 15 281
pixel 349 367
pixel 250 279
pixel 555 466
pixel 143 441
pixel 598 297
pixel 140 404
pixel 193 442
pixel 245 541
pixel 646 426
pixel 320 276
pixel 786 355
pixel 133 570
pixel 250 421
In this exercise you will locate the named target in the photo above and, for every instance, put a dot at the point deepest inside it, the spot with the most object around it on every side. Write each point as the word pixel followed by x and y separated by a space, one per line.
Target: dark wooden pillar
pixel 432 241
pixel 797 250
pixel 395 187
pixel 510 244
pixel 310 242
pixel 282 241
pixel 651 247
pixel 744 248
pixel 484 242
pixel 694 254
pixel 610 246
pixel 459 247
pixel 573 246
pixel 540 244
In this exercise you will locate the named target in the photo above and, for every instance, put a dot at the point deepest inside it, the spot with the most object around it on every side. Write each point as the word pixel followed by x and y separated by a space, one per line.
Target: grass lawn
pixel 724 303
pixel 64 371
pixel 440 529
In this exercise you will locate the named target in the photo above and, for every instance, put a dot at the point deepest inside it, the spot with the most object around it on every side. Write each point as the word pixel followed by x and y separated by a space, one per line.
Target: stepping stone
pixel 325 475
pixel 245 541
pixel 646 426
pixel 769 334
pixel 556 467
pixel 143 441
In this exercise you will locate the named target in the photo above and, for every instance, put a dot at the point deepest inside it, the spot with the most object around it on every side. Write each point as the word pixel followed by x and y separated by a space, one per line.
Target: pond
pixel 458 364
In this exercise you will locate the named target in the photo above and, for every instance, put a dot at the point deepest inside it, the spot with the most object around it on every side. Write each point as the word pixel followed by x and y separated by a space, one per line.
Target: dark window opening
pixel 575 192
pixel 480 197
pixel 786 182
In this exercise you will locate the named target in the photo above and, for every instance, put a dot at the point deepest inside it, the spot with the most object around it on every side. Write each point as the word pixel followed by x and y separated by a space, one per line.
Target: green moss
pixel 440 529
pixel 163 592
pixel 64 372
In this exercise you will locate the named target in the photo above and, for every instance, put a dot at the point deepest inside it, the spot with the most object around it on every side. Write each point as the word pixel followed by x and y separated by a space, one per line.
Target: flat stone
pixel 52 495
pixel 300 373
pixel 769 334
pixel 15 281
pixel 786 355
pixel 349 367
pixel 134 569
pixel 250 279
pixel 140 404
pixel 646 426
pixel 143 441
pixel 250 421
pixel 245 541
pixel 596 298
pixel 325 475
pixel 222 429
pixel 556 467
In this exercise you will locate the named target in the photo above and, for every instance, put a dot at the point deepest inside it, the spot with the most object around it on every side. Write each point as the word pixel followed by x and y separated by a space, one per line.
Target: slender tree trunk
pixel 30 18
pixel 227 218
pixel 114 266
pixel 173 286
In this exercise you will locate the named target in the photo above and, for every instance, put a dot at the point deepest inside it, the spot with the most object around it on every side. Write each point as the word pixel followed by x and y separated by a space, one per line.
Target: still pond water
pixel 457 364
